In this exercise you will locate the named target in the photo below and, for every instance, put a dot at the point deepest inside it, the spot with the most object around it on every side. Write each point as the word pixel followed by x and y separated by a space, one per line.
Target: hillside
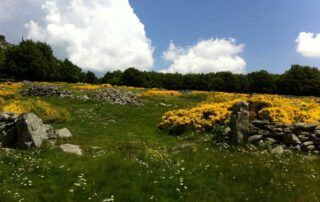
pixel 127 158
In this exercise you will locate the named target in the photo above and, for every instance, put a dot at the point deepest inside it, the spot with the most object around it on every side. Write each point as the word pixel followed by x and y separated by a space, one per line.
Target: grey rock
pixel 310 147
pixel 63 133
pixel 255 139
pixel 268 127
pixel 317 132
pixel 303 138
pixel 260 122
pixel 287 130
pixel 291 139
pixel 305 144
pixel 307 134
pixel 264 132
pixel 70 148
pixel 271 140
pixel 304 126
pixel 227 130
pixel 50 131
pixel 279 125
pixel 30 131
pixel 277 130
pixel 277 150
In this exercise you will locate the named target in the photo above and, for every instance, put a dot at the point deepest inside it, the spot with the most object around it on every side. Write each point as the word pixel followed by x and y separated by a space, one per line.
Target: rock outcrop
pixel 27 131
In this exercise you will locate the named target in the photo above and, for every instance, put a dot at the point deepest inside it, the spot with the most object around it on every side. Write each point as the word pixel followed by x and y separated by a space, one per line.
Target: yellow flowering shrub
pixel 156 92
pixel 46 111
pixel 86 86
pixel 196 92
pixel 217 109
pixel 199 118
pixel 7 89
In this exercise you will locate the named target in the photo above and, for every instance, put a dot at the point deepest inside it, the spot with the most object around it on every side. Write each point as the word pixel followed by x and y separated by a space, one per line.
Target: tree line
pixel 35 61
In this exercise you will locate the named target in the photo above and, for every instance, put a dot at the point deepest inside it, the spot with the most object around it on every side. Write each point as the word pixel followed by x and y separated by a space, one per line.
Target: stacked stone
pixel 300 136
pixel 44 91
pixel 117 96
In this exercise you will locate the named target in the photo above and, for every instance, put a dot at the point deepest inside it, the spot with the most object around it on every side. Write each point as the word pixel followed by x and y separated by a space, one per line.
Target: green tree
pixel 90 77
pixel 261 82
pixel 31 61
pixel 300 80
pixel 133 77
pixel 69 72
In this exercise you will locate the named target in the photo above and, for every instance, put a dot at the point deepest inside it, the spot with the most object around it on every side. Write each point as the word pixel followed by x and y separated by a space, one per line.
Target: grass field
pixel 126 158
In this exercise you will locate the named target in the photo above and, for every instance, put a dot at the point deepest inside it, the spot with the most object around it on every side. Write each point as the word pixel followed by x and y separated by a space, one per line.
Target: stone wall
pixel 300 136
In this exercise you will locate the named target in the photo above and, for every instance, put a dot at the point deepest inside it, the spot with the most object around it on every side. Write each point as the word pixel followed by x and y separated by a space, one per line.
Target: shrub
pixel 44 110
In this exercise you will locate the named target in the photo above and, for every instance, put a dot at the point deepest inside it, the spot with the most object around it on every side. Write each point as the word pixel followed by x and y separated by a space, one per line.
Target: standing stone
pixel 30 130
pixel 239 122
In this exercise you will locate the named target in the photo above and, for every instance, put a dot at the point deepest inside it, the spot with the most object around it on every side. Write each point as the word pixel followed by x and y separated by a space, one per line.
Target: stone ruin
pixel 281 137
pixel 117 96
pixel 45 91
pixel 112 95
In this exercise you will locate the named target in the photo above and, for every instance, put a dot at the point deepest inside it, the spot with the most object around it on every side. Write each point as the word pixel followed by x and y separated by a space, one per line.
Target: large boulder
pixel 30 130
pixel 239 122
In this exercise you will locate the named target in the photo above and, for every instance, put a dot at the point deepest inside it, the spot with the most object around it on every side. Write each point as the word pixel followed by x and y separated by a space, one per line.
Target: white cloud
pixel 98 35
pixel 210 55
pixel 308 44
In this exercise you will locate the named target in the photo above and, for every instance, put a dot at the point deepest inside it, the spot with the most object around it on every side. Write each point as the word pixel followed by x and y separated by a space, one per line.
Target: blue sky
pixel 267 28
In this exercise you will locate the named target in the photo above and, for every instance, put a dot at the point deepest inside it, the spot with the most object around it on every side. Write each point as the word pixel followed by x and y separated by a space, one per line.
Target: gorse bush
pixel 44 110
pixel 217 110
pixel 156 92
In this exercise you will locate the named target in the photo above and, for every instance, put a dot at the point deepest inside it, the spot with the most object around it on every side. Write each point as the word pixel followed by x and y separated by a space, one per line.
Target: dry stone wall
pixel 281 137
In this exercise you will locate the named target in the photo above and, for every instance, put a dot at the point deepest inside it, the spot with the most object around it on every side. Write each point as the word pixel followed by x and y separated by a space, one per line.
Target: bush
pixel 47 112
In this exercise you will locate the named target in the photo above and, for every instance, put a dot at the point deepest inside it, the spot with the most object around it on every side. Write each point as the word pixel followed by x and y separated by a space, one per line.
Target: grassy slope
pixel 135 162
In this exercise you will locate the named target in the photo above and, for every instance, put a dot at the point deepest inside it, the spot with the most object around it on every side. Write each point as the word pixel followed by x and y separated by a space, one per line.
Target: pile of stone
pixel 44 91
pixel 300 136
pixel 27 131
pixel 281 137
pixel 117 96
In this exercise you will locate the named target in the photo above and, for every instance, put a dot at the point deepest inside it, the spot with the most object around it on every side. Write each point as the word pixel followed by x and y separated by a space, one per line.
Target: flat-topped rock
pixel 71 148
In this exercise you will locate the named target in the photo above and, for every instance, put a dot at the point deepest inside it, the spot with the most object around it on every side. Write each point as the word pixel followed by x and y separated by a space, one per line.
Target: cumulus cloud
pixel 210 55
pixel 98 35
pixel 308 44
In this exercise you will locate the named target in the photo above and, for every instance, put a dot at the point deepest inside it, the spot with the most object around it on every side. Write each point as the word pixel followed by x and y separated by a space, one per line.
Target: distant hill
pixel 3 43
